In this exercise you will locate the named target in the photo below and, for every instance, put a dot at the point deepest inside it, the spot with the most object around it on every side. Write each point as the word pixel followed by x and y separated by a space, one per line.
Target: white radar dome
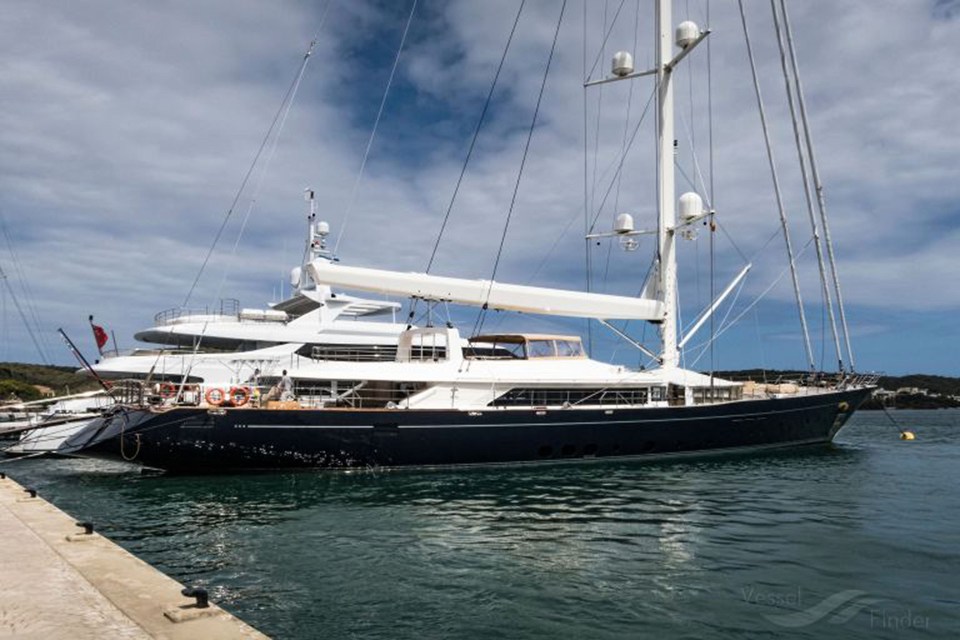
pixel 295 277
pixel 323 228
pixel 687 32
pixel 691 206
pixel 624 223
pixel 622 64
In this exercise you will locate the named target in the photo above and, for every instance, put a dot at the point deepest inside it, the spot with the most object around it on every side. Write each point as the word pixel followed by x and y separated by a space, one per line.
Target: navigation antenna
pixel 318 230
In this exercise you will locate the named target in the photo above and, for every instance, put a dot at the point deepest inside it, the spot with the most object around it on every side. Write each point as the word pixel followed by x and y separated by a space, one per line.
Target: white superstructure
pixel 228 344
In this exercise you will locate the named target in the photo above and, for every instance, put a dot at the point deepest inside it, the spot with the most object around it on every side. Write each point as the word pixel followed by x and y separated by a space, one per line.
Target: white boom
pixel 496 295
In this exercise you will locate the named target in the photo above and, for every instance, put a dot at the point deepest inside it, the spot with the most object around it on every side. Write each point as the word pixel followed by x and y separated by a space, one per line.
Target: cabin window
pixel 350 352
pixel 425 345
pixel 703 395
pixel 520 346
pixel 545 397
pixel 676 395
pixel 483 350
pixel 569 349
pixel 540 349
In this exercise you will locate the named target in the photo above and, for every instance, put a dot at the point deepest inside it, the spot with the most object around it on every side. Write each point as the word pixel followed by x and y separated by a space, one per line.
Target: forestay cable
pixel 821 202
pixel 246 178
pixel 825 289
pixel 373 133
pixel 776 189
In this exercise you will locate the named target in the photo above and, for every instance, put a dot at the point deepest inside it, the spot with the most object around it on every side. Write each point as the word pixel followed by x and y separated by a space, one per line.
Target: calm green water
pixel 857 540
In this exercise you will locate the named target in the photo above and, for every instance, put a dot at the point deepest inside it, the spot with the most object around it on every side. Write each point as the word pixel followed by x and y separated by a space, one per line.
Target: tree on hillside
pixel 25 392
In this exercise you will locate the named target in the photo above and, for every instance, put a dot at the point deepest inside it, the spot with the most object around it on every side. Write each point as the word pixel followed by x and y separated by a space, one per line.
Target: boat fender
pixel 214 397
pixel 907 435
pixel 167 390
pixel 239 396
pixel 844 407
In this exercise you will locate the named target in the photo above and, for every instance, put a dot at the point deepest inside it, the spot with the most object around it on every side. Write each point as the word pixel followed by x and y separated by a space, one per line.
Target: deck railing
pixel 228 308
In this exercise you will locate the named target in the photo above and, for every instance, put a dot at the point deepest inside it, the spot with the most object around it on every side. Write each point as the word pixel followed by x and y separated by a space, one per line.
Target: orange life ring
pixel 215 396
pixel 239 396
pixel 167 390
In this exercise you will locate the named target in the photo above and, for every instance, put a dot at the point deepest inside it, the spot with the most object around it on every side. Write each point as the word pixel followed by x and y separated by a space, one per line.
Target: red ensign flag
pixel 98 334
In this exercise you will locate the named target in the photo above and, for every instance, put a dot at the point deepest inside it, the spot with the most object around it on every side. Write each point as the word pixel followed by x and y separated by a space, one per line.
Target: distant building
pixel 912 391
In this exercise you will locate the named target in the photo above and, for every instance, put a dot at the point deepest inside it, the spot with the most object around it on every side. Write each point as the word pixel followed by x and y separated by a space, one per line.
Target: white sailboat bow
pixel 489 293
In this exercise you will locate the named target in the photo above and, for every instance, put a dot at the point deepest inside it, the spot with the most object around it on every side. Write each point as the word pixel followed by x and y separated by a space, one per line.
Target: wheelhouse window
pixel 524 347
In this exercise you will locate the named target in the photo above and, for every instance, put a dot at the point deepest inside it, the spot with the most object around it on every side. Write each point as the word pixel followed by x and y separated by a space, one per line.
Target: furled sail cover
pixel 507 297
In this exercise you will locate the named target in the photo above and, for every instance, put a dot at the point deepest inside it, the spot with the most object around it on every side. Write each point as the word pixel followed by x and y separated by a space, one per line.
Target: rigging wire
pixel 596 132
pixel 824 288
pixel 776 189
pixel 623 144
pixel 373 133
pixel 279 119
pixel 278 122
pixel 246 178
pixel 725 326
pixel 31 307
pixel 603 45
pixel 26 322
pixel 596 153
pixel 620 162
pixel 265 170
pixel 5 336
pixel 523 161
pixel 697 170
pixel 253 202
pixel 815 172
pixel 712 222
pixel 476 134
pixel 466 160
pixel 586 190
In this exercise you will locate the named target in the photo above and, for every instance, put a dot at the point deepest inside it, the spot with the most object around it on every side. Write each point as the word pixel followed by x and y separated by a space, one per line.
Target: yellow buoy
pixel 907 435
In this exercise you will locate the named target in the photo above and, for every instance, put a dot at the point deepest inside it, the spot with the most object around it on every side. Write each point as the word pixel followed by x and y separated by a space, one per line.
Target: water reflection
pixel 569 550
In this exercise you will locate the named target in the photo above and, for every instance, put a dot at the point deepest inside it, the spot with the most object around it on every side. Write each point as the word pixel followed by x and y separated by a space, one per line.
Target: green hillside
pixel 19 379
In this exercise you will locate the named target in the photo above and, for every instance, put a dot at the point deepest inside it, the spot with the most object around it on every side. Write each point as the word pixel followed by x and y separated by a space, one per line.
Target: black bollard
pixel 87 527
pixel 198 593
pixel 31 491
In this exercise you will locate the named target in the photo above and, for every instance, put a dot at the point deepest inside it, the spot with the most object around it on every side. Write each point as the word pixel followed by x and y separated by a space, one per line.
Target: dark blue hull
pixel 200 441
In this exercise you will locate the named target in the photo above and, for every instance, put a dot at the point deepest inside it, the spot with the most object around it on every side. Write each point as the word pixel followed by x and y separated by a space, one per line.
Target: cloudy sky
pixel 126 130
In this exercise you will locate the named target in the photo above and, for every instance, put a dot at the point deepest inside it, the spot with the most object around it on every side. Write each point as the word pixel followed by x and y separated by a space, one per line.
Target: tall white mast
pixel 688 36
pixel 668 215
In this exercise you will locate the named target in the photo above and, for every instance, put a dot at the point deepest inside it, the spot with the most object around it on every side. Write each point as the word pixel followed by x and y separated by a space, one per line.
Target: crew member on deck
pixel 254 382
pixel 286 387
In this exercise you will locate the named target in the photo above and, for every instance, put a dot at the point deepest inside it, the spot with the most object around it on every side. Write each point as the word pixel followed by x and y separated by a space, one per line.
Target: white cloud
pixel 127 129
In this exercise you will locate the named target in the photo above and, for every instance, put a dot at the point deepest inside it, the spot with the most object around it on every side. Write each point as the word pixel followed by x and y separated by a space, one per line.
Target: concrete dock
pixel 58 582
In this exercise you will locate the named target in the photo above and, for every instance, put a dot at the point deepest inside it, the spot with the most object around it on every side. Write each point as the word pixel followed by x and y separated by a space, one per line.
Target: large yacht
pixel 228 344
pixel 231 345
pixel 501 398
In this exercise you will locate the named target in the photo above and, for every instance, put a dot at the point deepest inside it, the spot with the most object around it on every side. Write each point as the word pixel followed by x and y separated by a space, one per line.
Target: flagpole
pixel 83 361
